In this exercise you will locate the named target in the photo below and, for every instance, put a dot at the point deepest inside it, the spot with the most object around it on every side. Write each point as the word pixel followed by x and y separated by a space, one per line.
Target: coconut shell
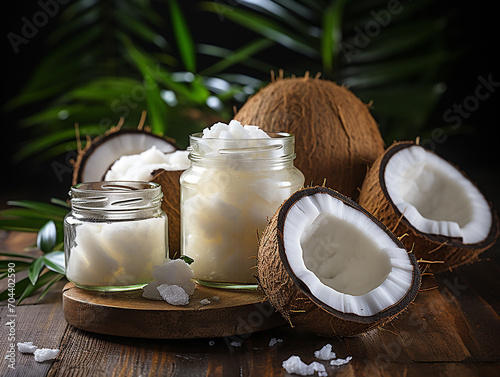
pixel 443 253
pixel 170 185
pixel 168 180
pixel 85 152
pixel 336 136
pixel 291 297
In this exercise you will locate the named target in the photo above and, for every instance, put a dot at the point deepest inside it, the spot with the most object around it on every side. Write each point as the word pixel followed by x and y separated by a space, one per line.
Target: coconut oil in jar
pixel 238 178
pixel 114 235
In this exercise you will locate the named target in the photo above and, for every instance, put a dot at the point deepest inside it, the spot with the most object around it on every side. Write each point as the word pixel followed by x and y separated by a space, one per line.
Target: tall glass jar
pixel 114 235
pixel 227 195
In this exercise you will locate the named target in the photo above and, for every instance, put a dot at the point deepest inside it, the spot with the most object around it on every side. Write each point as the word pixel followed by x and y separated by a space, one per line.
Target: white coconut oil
pixel 115 234
pixel 238 178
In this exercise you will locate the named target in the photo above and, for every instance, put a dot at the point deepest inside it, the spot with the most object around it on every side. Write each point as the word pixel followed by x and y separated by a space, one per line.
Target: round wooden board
pixel 129 314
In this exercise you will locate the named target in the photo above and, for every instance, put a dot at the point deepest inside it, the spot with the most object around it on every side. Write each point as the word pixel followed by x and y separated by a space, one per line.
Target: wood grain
pixel 129 314
pixel 451 330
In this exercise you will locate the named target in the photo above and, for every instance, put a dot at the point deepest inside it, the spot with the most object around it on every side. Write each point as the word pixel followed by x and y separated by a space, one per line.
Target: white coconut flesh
pixel 346 260
pixel 139 167
pixel 435 197
pixel 103 155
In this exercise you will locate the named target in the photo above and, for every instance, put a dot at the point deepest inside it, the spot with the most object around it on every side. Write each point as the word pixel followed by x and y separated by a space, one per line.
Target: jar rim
pixel 114 186
pixel 273 135
pixel 116 196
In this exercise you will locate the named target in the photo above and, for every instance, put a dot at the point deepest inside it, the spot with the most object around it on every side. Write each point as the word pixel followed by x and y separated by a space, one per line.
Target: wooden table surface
pixel 452 329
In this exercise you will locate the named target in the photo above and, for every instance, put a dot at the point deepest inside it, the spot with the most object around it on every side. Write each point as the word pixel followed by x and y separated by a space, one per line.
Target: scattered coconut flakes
pixel 151 292
pixel 173 294
pixel 338 362
pixel 275 341
pixel 139 167
pixel 216 298
pixel 235 344
pixel 295 365
pixel 173 272
pixel 205 301
pixel 325 353
pixel 43 354
pixel 26 347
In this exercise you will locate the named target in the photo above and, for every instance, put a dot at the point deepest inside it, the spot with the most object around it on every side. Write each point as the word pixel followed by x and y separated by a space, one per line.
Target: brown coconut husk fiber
pixel 440 252
pixel 293 299
pixel 337 138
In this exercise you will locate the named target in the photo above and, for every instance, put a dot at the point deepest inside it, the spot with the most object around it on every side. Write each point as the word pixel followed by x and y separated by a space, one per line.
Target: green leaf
pixel 46 208
pixel 34 270
pixel 158 110
pixel 60 202
pixel 48 286
pixel 22 225
pixel 19 288
pixel 332 34
pixel 55 261
pixel 265 27
pixel 47 237
pixel 239 55
pixel 183 36
pixel 18 265
pixel 186 259
pixel 30 288
pixel 15 255
pixel 384 73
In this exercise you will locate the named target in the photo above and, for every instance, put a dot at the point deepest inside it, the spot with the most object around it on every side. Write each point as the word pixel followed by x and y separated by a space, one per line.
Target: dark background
pixel 473 31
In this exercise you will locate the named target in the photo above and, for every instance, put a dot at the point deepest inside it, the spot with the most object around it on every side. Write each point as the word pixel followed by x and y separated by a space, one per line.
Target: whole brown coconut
pixel 337 139
pixel 441 252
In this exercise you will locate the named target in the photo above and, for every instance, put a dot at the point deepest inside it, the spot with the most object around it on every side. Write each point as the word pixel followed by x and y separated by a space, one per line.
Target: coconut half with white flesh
pixel 134 155
pixel 328 265
pixel 94 161
pixel 442 214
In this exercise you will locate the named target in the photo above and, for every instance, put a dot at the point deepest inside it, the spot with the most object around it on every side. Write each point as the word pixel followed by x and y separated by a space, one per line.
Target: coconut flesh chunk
pixel 106 151
pixel 435 197
pixel 139 167
pixel 347 261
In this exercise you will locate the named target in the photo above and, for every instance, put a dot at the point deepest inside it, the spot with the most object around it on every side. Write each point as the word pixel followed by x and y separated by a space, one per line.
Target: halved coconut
pixel 329 266
pixel 443 215
pixel 137 155
pixel 101 153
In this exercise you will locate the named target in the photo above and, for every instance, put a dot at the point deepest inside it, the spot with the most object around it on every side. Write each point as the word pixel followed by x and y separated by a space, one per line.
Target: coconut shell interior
pixel 170 185
pixel 440 252
pixel 291 296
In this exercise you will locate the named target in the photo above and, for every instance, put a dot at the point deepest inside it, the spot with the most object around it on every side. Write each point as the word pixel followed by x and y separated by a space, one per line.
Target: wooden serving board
pixel 129 314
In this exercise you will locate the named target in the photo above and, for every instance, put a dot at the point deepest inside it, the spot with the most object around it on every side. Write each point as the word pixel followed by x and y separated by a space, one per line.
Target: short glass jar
pixel 227 195
pixel 114 235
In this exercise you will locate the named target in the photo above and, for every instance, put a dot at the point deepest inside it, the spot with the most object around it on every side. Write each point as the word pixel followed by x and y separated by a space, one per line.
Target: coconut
pixel 99 154
pixel 336 136
pixel 137 155
pixel 431 204
pixel 329 266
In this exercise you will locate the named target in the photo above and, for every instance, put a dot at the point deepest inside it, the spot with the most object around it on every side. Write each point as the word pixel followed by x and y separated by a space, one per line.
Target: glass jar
pixel 227 195
pixel 114 235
